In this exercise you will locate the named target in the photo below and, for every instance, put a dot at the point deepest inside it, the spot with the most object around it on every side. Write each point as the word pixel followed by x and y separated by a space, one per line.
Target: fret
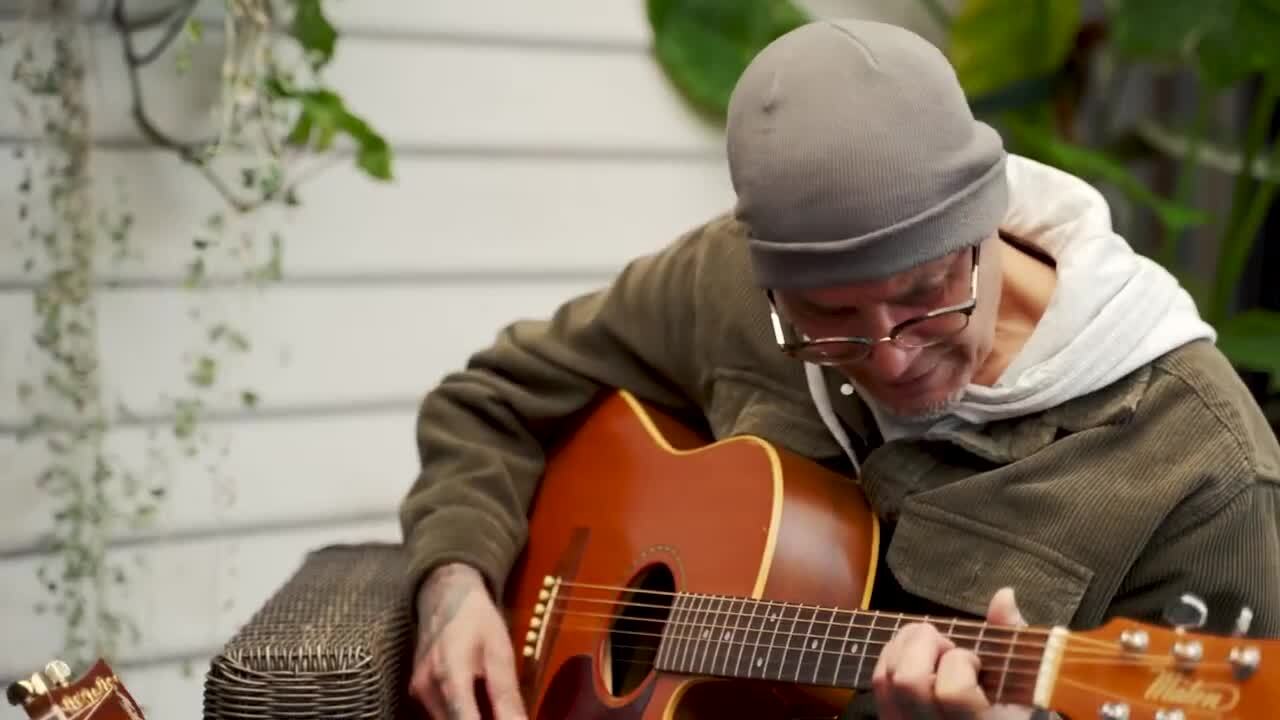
pixel 824 619
pixel 772 621
pixel 881 627
pixel 1004 671
pixel 708 636
pixel 671 633
pixel 791 637
pixel 689 633
pixel 755 625
pixel 845 647
pixel 802 635
pixel 732 636
pixel 702 634
pixel 675 628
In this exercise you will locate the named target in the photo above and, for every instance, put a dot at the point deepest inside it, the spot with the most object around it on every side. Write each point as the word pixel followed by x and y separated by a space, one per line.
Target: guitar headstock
pixel 53 695
pixel 1127 670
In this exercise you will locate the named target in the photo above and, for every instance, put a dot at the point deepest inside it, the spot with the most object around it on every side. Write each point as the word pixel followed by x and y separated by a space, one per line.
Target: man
pixel 1037 414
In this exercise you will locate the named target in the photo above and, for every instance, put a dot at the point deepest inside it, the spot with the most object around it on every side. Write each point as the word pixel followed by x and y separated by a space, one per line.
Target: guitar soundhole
pixel 637 629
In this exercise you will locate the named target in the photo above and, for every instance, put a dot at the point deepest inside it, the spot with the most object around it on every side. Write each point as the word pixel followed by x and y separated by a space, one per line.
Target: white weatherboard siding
pixel 539 147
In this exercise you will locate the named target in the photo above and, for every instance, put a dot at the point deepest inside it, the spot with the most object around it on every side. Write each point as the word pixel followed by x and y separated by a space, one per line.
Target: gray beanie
pixel 855 155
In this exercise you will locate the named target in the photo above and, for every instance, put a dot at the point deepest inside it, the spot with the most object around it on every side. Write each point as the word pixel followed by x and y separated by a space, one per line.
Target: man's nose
pixel 890 362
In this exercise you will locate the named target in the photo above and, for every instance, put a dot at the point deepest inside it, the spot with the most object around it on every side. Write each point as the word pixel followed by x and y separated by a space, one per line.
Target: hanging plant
pixel 278 125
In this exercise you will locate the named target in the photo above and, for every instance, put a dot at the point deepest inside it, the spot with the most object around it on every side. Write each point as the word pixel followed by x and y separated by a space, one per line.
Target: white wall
pixel 538 146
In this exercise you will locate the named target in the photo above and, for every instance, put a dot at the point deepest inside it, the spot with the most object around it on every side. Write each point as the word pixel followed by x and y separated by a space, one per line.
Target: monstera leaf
pixel 1000 44
pixel 704 45
pixel 1226 39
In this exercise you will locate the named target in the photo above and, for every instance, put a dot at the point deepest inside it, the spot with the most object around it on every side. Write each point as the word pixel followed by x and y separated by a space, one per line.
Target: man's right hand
pixel 462 639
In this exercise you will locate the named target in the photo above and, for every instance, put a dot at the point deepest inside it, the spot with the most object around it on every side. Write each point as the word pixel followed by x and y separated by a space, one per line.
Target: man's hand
pixel 922 675
pixel 462 639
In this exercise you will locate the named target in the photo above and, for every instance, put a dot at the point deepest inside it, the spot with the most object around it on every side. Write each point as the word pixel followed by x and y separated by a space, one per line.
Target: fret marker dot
pixel 813 644
pixel 706 634
pixel 771 618
pixel 727 635
pixel 853 648
pixel 759 662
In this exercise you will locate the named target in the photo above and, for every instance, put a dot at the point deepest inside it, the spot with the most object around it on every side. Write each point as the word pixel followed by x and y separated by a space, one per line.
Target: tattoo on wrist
pixel 441 600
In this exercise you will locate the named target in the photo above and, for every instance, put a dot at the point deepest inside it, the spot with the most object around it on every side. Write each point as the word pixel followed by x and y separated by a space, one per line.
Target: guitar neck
pixel 736 637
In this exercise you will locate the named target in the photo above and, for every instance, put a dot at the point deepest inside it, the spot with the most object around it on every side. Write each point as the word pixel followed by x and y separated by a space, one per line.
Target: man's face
pixel 908 382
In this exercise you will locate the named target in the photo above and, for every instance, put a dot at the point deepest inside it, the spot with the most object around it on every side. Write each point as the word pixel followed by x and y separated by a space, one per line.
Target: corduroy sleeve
pixel 1228 556
pixel 481 432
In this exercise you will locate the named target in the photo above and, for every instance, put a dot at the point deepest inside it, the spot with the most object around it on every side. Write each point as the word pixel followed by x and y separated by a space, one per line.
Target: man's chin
pixel 921 410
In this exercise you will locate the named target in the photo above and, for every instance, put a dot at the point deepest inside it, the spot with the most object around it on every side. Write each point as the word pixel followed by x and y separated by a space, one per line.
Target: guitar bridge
pixel 538 621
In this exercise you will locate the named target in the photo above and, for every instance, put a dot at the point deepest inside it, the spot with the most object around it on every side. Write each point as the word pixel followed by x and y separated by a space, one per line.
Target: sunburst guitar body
pixel 667 577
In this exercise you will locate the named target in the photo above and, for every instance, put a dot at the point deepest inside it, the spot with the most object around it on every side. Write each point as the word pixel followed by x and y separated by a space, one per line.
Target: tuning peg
pixel 1187 612
pixel 38 684
pixel 1114 711
pixel 19 692
pixel 1243 621
pixel 58 672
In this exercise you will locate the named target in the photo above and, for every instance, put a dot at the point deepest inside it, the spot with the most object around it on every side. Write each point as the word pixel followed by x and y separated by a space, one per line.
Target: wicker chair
pixel 335 641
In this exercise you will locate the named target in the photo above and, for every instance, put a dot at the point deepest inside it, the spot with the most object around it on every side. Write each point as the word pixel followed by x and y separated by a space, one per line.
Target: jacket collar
pixel 1008 440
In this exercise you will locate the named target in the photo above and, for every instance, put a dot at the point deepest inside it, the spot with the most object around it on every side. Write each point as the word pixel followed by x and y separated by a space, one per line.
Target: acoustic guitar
pixel 667 577
pixel 52 695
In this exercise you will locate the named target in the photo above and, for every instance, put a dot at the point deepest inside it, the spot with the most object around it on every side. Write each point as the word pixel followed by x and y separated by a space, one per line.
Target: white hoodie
pixel 1113 310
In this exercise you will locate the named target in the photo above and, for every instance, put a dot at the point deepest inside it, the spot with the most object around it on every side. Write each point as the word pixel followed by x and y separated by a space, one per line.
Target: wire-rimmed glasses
pixel 918 332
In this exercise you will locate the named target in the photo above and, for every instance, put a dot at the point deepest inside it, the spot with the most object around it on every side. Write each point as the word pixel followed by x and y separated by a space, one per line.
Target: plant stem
pixel 1238 238
pixel 1242 243
pixel 1186 174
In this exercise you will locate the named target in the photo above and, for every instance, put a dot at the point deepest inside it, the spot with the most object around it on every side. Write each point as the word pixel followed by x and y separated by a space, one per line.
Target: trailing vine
pixel 277 125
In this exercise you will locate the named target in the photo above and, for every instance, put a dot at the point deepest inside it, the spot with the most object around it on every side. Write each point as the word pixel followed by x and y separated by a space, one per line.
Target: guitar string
pixel 832 622
pixel 1008 685
pixel 782 649
pixel 790 634
pixel 1145 662
pixel 1068 652
pixel 669 593
pixel 689 611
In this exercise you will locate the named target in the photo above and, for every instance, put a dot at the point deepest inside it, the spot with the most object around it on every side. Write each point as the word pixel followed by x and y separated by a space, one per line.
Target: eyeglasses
pixel 917 332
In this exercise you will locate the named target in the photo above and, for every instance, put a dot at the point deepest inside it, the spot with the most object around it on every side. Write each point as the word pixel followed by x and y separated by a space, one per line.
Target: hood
pixel 1113 310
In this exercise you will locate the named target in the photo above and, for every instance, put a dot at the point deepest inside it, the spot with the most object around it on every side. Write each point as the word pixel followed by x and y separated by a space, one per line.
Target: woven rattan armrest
pixel 333 642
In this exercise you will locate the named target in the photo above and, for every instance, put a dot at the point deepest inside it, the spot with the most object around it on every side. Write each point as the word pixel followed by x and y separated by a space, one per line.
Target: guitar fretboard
pixel 760 639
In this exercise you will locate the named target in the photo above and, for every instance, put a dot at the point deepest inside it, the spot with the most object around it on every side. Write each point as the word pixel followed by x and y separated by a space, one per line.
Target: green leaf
pixel 1251 340
pixel 205 372
pixel 705 45
pixel 374 157
pixel 1227 39
pixel 186 415
pixel 1157 29
pixel 323 116
pixel 300 135
pixel 988 35
pixel 314 32
pixel 1038 141
pixel 195 273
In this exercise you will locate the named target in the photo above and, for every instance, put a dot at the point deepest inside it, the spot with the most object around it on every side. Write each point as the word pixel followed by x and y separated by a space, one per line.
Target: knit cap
pixel 855 155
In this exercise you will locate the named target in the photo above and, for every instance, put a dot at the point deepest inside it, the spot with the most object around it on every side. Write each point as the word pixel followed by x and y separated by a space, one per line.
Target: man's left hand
pixel 923 675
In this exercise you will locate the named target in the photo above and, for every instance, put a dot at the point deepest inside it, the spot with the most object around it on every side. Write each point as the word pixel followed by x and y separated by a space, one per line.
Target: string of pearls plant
pixel 275 125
